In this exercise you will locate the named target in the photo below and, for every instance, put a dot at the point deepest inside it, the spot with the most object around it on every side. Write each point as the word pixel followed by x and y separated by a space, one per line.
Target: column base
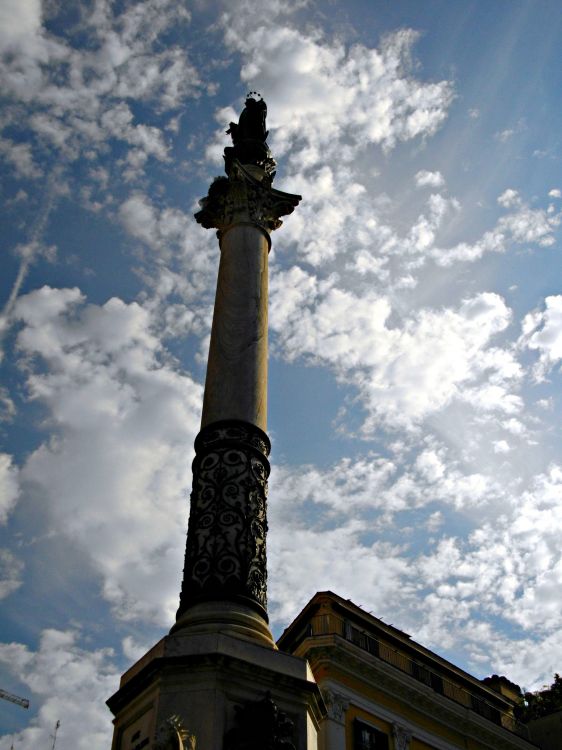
pixel 224 618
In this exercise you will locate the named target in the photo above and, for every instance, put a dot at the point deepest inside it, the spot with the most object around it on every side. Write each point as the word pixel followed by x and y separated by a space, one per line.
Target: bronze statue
pixel 249 138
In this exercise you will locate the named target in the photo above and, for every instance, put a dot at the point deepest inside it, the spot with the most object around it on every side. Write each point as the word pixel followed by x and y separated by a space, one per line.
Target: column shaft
pixel 236 382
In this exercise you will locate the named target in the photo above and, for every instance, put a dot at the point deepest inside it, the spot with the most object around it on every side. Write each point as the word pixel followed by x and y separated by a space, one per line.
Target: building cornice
pixel 331 651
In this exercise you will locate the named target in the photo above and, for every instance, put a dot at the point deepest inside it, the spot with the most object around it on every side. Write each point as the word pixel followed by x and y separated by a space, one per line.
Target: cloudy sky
pixel 415 316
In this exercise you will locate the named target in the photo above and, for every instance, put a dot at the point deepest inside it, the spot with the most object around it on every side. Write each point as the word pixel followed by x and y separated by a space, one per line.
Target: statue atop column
pixel 246 195
pixel 249 138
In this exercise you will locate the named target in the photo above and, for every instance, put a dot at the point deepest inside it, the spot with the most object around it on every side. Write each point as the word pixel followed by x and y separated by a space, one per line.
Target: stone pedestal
pixel 215 692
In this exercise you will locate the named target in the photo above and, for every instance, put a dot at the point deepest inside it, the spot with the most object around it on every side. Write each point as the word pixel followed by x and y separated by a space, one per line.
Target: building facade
pixel 384 691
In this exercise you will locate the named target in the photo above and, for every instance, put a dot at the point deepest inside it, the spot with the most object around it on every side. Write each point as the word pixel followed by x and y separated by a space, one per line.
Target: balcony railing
pixel 331 624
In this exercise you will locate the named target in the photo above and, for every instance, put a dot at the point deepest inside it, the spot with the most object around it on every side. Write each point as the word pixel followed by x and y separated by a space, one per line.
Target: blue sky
pixel 415 326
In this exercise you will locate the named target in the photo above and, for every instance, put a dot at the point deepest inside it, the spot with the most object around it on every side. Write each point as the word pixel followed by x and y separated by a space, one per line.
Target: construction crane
pixel 23 702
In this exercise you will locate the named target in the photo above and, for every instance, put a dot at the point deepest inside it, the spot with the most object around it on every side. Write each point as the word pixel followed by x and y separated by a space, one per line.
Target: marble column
pixel 225 573
pixel 236 382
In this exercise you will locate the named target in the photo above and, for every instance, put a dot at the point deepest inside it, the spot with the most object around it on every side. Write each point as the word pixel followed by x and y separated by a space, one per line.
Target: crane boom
pixel 23 702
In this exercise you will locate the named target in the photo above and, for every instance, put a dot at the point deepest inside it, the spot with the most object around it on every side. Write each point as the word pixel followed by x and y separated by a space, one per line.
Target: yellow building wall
pixel 410 714
pixel 400 708
pixel 416 744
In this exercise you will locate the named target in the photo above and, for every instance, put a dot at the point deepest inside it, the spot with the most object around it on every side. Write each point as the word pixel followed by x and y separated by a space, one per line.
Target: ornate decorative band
pixel 229 431
pixel 226 541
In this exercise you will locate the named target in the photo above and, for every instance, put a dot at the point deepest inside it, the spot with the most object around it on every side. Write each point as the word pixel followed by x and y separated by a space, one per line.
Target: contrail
pixel 38 228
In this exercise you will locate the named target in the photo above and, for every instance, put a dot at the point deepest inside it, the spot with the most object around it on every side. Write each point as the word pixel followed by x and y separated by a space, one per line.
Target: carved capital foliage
pixel 245 197
pixel 226 540
pixel 336 705
pixel 172 735
pixel 402 737
pixel 260 725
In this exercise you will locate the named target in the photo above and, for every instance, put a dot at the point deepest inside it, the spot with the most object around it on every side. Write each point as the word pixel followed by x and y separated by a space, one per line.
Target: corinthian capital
pixel 402 737
pixel 245 197
pixel 336 705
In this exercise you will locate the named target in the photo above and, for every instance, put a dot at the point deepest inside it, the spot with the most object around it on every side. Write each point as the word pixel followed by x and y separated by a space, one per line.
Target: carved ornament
pixel 245 197
pixel 260 725
pixel 402 737
pixel 172 735
pixel 226 541
pixel 336 705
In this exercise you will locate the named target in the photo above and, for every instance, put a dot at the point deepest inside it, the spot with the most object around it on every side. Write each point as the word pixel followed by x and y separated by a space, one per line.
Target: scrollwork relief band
pixel 226 540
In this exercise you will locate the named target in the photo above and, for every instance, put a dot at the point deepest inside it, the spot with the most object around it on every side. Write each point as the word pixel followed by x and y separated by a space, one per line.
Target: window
pixel 366 737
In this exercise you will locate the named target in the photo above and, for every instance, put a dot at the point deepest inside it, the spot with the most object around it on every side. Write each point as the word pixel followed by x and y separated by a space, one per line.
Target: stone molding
pixel 244 197
pixel 225 556
pixel 458 718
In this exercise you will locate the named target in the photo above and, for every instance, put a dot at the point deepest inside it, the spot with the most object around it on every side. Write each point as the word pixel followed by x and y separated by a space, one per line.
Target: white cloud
pixel 555 193
pixel 542 331
pixel 530 225
pixel 337 214
pixel 20 22
pixel 505 135
pixel 501 446
pixel 509 198
pixel 434 521
pixel 424 178
pixel 181 268
pixel 510 567
pixel 350 488
pixel 405 371
pixel 467 587
pixel 523 225
pixel 337 560
pixel 172 234
pixel 323 93
pixel 7 406
pixel 9 486
pixel 11 569
pixel 123 422
pixel 20 156
pixel 530 662
pixel 76 92
pixel 72 684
